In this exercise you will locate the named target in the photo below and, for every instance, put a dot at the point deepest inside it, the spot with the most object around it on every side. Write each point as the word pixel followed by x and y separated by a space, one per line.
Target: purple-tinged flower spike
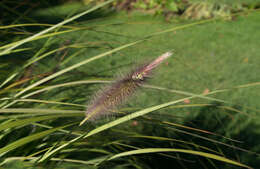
pixel 108 99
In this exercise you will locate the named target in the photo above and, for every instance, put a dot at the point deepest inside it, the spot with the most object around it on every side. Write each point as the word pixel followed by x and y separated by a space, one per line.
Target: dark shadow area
pixel 18 10
pixel 229 124
pixel 226 124
pixel 41 12
pixel 13 12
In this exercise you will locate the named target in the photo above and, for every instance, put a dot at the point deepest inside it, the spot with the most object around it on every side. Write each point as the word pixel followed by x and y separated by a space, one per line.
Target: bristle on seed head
pixel 119 91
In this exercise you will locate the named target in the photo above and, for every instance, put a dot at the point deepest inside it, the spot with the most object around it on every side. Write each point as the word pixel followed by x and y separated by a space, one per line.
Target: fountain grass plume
pixel 119 91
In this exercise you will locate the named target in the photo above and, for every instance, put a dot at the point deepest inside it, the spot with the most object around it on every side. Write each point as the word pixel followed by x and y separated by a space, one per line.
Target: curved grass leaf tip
pixel 118 92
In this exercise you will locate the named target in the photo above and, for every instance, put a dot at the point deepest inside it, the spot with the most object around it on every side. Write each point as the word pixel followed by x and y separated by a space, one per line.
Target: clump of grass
pixel 106 100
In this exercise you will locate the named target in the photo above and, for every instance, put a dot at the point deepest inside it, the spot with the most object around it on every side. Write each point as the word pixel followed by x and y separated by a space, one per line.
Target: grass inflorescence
pixel 119 91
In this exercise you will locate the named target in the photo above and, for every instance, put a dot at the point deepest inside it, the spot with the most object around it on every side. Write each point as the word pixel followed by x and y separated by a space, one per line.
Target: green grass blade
pixel 5 105
pixel 56 150
pixel 157 150
pixel 19 50
pixel 30 138
pixel 37 38
pixel 28 110
pixel 174 140
pixel 50 102
pixel 8 79
pixel 61 130
pixel 27 121
pixel 64 85
pixel 94 161
pixel 30 24
pixel 185 93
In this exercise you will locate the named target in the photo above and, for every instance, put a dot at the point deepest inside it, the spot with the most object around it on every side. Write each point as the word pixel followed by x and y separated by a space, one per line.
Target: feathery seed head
pixel 119 91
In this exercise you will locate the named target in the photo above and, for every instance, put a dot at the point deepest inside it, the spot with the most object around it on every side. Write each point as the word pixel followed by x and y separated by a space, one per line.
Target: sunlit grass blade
pixel 174 140
pixel 36 38
pixel 47 88
pixel 196 129
pixel 117 143
pixel 199 153
pixel 31 24
pixel 8 79
pixel 61 130
pixel 94 161
pixel 212 140
pixel 50 102
pixel 30 138
pixel 18 50
pixel 48 155
pixel 31 110
pixel 7 104
pixel 27 121
pixel 44 55
pixel 185 93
